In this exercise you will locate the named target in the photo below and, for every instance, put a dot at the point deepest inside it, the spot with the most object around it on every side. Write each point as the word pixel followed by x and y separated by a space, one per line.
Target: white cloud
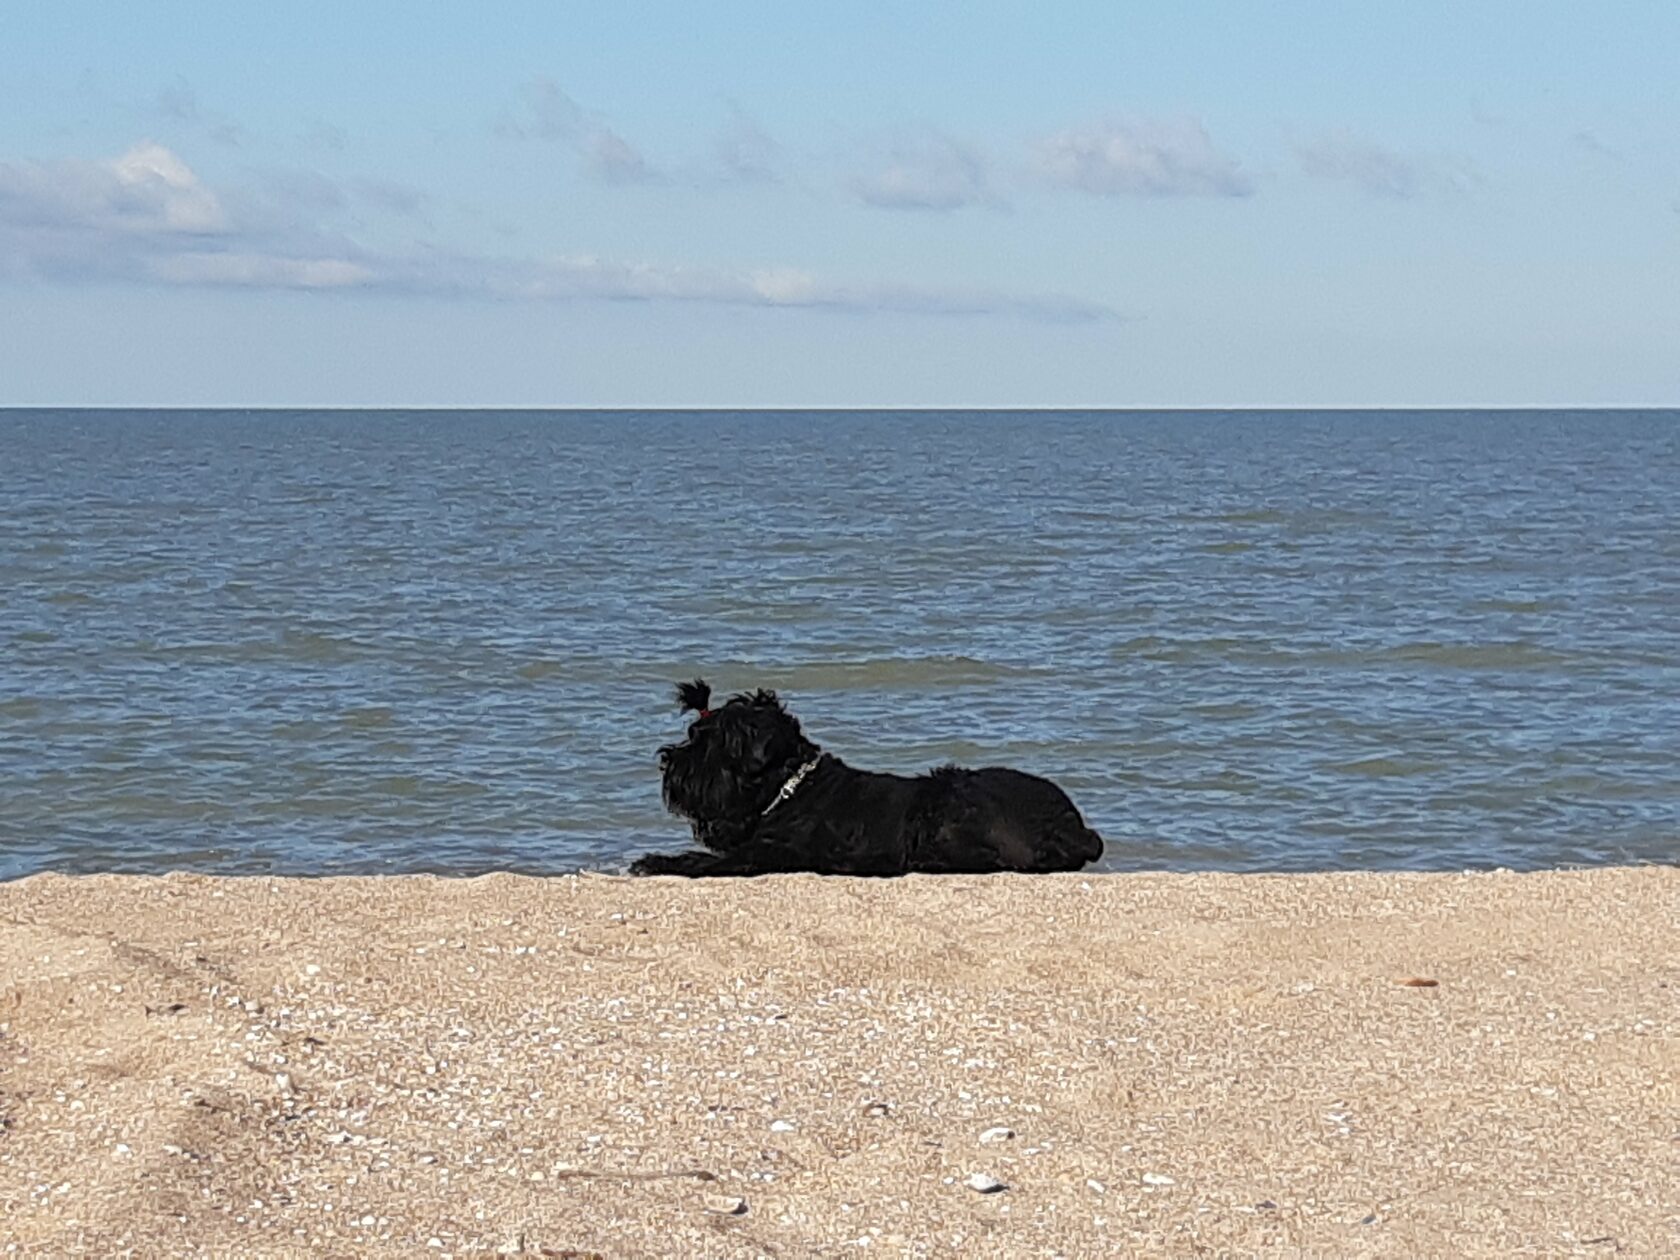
pixel 1380 171
pixel 926 172
pixel 1588 142
pixel 745 154
pixel 177 105
pixel 549 114
pixel 784 284
pixel 1140 159
pixel 146 190
pixel 390 196
pixel 146 218
pixel 301 192
pixel 322 134
pixel 585 276
pixel 155 176
pixel 613 160
pixel 258 271
pixel 178 101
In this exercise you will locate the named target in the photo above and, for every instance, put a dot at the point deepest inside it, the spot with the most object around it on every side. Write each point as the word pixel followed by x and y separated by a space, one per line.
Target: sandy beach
pixel 1079 1066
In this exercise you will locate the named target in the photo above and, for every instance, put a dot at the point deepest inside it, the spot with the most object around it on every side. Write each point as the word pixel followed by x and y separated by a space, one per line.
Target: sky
pixel 1186 204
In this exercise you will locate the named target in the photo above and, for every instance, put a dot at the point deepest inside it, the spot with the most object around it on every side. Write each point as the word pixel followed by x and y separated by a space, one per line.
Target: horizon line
pixel 1047 408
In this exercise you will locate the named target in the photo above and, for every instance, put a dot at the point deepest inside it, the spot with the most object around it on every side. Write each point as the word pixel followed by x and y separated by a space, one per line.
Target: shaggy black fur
pixel 728 779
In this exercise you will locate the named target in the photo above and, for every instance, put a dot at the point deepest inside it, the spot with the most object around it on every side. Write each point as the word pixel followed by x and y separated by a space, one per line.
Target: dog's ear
pixel 694 695
pixel 768 699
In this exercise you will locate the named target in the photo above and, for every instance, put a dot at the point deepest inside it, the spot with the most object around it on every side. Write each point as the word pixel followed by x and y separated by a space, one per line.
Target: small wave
pixel 1507 655
pixel 790 612
pixel 878 672
pixel 1383 768
pixel 1519 605
pixel 316 648
pixel 1512 654
pixel 1332 520
pixel 290 646
pixel 1159 648
pixel 1584 785
pixel 536 671
pixel 1225 712
pixel 1232 781
pixel 307 730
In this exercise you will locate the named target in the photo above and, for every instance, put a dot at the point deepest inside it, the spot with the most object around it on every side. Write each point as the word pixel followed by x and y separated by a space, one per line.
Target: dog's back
pixel 1001 819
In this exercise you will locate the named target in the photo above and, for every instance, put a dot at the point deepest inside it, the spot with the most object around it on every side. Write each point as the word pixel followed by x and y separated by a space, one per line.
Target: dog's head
pixel 735 759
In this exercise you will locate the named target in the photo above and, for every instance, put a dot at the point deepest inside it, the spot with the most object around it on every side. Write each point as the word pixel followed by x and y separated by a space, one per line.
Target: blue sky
pixel 1186 204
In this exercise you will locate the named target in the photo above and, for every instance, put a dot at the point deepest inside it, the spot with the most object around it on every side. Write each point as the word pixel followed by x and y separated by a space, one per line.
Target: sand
pixel 799 1066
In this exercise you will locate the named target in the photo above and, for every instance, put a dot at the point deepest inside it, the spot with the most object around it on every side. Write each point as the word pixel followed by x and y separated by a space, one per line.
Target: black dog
pixel 762 798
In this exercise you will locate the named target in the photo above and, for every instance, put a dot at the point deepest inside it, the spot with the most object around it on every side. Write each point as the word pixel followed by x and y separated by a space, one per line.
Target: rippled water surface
pixel 386 641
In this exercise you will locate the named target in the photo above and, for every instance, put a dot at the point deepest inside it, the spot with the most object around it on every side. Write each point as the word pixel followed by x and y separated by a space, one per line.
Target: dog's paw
pixel 659 864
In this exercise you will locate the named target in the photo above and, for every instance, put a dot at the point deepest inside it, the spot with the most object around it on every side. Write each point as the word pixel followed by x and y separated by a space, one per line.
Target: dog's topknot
pixel 696 695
